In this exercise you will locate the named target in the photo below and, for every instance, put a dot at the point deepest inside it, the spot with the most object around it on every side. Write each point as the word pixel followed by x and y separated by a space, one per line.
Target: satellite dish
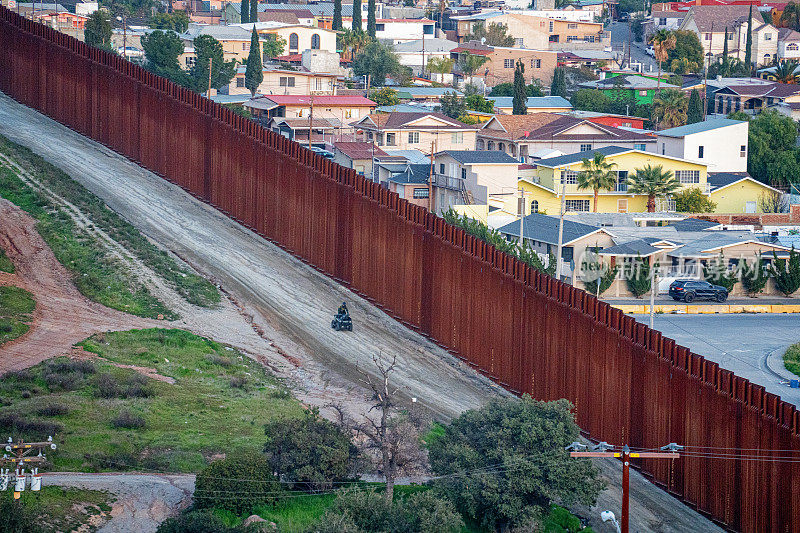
pixel 483 40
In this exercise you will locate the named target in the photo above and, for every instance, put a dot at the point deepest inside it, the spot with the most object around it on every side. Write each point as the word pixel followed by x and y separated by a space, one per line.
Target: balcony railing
pixel 621 187
pixel 448 182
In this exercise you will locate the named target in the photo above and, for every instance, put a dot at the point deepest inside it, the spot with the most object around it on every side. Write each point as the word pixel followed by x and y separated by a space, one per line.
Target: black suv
pixel 689 290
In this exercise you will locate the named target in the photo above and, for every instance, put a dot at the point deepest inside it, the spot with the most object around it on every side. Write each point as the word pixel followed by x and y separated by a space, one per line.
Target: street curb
pixel 774 364
pixel 709 309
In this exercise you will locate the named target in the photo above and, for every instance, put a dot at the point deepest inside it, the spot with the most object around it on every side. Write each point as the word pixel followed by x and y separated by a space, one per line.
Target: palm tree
pixel 669 108
pixel 790 18
pixel 662 42
pixel 440 65
pixel 654 182
pixel 352 42
pixel 786 72
pixel 470 63
pixel 596 175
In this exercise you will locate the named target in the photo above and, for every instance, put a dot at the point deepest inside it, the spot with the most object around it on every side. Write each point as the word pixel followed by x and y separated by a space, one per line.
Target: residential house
pixel 522 136
pixel 737 192
pixel 711 22
pixel 609 119
pixel 535 104
pixel 425 95
pixel 397 30
pixel 540 33
pixel 342 108
pixel 500 63
pixel 591 59
pixel 667 20
pixel 358 155
pixel 301 16
pixel 750 95
pixel 298 37
pixel 561 173
pixel 636 87
pixel 426 132
pixel 417 53
pixel 411 182
pixel 61 20
pixel 324 132
pixel 235 41
pixel 788 45
pixel 291 82
pixel 480 174
pixel 719 143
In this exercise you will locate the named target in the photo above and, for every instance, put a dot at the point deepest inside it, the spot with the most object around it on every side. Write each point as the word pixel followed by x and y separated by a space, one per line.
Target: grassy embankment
pixel 5 263
pixel 109 418
pixel 97 274
pixel 16 308
pixel 791 359
pixel 64 509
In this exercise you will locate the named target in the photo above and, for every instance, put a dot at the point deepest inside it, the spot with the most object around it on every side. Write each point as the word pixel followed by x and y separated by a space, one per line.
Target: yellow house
pixel 543 189
pixel 736 192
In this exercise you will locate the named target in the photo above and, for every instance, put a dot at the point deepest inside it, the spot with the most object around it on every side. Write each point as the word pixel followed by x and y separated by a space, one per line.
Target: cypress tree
pixel 357 15
pixel 245 11
pixel 520 91
pixel 337 15
pixel 371 18
pixel 254 73
pixel 695 111
pixel 559 85
pixel 253 10
pixel 725 61
pixel 748 47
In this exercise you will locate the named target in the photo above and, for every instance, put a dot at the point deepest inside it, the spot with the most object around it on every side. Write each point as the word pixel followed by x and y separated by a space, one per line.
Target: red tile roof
pixel 359 150
pixel 291 58
pixel 331 101
pixel 473 51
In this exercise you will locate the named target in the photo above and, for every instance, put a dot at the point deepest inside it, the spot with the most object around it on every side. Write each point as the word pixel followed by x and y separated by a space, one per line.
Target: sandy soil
pixel 290 304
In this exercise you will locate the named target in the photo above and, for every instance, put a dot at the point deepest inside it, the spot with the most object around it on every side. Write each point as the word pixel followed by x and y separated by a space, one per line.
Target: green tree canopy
pixel 356 24
pixel 790 17
pixel 653 181
pixel 786 273
pixel 511 464
pixel 337 15
pixel 253 483
pixel 694 112
pixel 384 96
pixel 773 157
pixel 254 73
pixel 371 22
pixel 495 34
pixel 507 89
pixel 98 30
pixel 245 11
pixel 670 107
pixel 177 21
pixel 253 10
pixel 692 200
pixel 559 85
pixel 477 102
pixel 378 61
pixel 273 46
pixel 209 51
pixel 440 65
pixel 688 50
pixel 590 100
pixel 520 99
pixel 597 174
pixel 161 51
pixel 452 105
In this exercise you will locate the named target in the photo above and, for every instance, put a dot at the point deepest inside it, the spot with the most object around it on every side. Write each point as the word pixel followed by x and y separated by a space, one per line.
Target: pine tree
pixel 695 111
pixel 357 15
pixel 638 276
pixel 748 47
pixel 245 11
pixel 753 278
pixel 786 273
pixel 253 10
pixel 520 91
pixel 559 85
pixel 725 60
pixel 254 73
pixel 337 15
pixel 371 18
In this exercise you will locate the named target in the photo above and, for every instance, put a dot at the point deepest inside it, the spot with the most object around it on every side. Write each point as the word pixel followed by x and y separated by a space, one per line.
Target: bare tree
pixel 773 202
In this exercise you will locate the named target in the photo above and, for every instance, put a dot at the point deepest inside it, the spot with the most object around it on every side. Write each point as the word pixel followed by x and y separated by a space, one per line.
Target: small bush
pixel 311 452
pixel 193 522
pixel 561 520
pixel 215 359
pixel 65 374
pixel 19 375
pixel 128 420
pixel 19 426
pixel 6 325
pixel 26 394
pixel 17 517
pixel 70 366
pixel 53 409
pixel 134 386
pixel 238 382
pixel 335 523
pixel 237 483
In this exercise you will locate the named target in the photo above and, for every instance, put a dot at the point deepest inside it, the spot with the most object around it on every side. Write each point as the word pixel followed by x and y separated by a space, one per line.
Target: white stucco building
pixel 719 143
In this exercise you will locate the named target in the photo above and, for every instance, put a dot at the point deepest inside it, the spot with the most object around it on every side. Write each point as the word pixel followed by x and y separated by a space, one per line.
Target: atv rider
pixel 342 311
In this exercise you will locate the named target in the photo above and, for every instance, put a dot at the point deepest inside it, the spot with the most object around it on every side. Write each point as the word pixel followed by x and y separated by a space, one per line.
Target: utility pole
pixel 430 181
pixel 630 40
pixel 521 212
pixel 20 458
pixel 561 226
pixel 605 450
pixel 423 50
pixel 310 120
pixel 653 287
pixel 210 62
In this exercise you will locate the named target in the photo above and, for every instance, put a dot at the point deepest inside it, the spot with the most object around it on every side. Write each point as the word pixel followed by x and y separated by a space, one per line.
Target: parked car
pixel 327 154
pixel 650 51
pixel 689 290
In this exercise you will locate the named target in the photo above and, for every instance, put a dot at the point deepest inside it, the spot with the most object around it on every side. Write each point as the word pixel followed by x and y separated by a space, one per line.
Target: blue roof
pixel 569 159
pixel 698 127
pixel 425 91
pixel 533 101
pixel 400 108
pixel 544 228
pixel 471 157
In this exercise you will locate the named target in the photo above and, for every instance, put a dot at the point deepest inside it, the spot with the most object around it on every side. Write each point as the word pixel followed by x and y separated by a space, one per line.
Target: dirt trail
pixel 290 303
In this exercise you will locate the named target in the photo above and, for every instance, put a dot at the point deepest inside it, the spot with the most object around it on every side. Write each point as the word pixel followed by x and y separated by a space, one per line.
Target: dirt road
pixel 143 501
pixel 290 302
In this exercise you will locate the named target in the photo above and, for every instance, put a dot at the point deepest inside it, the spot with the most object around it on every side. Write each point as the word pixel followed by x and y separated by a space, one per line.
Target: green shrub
pixel 133 386
pixel 716 272
pixel 128 420
pixel 786 272
pixel 16 517
pixel 53 409
pixel 193 522
pixel 309 452
pixel 561 520
pixel 237 483
pixel 18 426
pixel 754 277
pixel 637 276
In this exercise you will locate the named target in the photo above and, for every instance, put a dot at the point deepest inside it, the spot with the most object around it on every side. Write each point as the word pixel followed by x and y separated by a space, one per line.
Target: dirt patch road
pixel 143 501
pixel 290 302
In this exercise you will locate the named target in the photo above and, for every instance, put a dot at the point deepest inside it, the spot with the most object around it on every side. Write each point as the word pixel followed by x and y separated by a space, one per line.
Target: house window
pixel 245 46
pixel 767 58
pixel 413 137
pixel 643 93
pixel 490 145
pixel 508 63
pixel 380 27
pixel 293 42
pixel 518 42
pixel 688 176
pixel 315 41
pixel 369 136
pixel 441 168
pixel 463 173
pixel 767 36
pixel 589 39
pixel 240 82
pixel 479 144
pixel 707 36
pixel 792 46
pixel 501 147
pixel 585 147
pixel 577 205
pixel 743 151
pixel 700 152
pixel 457 138
pixel 570 177
pixel 536 63
pixel 421 192
pixel 642 147
pixel 553 39
pixel 551 25
pixel 190 61
pixel 390 139
pixel 663 148
pixel 730 36
pixel 534 206
pixel 286 81
pixel 572 26
pixel 662 22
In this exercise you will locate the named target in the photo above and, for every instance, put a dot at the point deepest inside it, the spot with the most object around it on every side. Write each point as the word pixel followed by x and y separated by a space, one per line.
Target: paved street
pixel 740 343
pixel 619 35
pixel 666 300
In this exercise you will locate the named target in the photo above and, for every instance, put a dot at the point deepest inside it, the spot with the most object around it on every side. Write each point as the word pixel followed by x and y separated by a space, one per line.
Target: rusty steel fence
pixel 525 330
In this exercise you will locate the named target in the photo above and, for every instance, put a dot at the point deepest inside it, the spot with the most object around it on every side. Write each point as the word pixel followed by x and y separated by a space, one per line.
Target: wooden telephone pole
pixel 18 456
pixel 605 450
